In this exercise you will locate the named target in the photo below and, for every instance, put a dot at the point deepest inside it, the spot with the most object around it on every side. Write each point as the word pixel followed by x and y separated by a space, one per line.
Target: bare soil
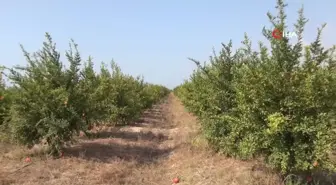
pixel 165 144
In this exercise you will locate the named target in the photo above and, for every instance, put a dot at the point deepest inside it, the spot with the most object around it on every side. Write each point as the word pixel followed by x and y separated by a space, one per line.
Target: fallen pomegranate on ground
pixel 309 179
pixel 28 159
pixel 176 180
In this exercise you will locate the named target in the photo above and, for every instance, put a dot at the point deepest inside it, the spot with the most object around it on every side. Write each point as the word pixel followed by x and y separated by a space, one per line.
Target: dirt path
pixel 164 145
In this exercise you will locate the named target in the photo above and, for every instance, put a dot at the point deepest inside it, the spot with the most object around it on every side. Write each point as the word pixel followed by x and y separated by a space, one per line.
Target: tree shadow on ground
pixel 152 116
pixel 131 136
pixel 151 119
pixel 152 123
pixel 318 177
pixel 325 178
pixel 113 151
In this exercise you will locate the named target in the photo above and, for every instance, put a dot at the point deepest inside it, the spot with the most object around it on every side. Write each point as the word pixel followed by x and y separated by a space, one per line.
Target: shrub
pixel 52 102
pixel 278 103
pixel 5 101
pixel 48 103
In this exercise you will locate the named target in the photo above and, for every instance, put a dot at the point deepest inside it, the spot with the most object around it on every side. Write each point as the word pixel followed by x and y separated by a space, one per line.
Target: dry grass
pixel 165 144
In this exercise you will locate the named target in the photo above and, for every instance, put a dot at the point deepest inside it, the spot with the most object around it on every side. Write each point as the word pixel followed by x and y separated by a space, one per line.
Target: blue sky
pixel 153 38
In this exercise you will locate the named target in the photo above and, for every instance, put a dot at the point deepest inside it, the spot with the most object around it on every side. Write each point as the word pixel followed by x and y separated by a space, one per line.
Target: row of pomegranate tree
pixel 48 101
pixel 278 102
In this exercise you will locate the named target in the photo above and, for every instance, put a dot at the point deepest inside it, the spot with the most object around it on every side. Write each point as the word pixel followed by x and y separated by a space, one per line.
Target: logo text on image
pixel 278 34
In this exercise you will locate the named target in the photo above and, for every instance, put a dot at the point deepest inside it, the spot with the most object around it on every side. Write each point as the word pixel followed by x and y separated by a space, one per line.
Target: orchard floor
pixel 165 144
